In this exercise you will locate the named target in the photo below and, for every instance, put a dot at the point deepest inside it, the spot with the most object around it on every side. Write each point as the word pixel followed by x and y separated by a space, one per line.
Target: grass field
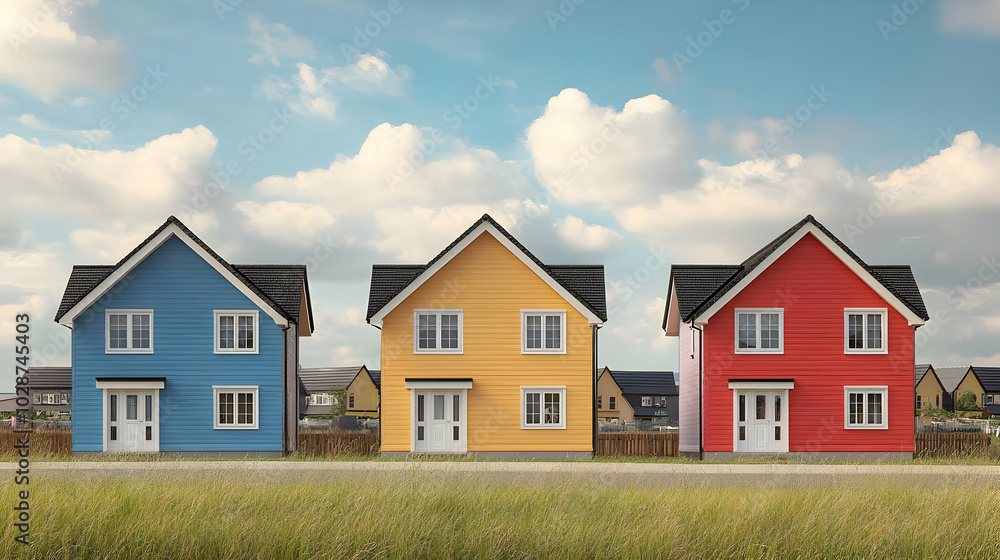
pixel 427 515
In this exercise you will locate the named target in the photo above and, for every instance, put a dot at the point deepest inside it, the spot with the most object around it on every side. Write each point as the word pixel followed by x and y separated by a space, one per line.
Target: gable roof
pixel 322 380
pixel 989 378
pixel 48 377
pixel 645 382
pixel 951 377
pixel 581 286
pixel 702 289
pixel 277 289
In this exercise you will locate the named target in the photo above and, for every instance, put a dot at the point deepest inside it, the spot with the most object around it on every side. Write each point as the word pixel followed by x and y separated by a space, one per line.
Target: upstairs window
pixel 759 331
pixel 236 332
pixel 864 331
pixel 543 331
pixel 129 331
pixel 611 403
pixel 437 331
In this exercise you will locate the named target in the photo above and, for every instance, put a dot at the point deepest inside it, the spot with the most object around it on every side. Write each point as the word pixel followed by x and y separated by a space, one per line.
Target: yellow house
pixel 970 384
pixel 362 394
pixel 487 350
pixel 928 389
pixel 612 406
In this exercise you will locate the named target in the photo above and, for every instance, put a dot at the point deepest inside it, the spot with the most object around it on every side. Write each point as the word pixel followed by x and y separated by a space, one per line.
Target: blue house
pixel 176 350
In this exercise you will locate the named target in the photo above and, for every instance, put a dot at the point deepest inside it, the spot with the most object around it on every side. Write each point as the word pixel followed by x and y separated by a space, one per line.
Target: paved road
pixel 610 473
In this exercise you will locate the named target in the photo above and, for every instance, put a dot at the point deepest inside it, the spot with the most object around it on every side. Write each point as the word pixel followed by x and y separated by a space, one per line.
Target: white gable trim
pixel 673 327
pixel 485 227
pixel 911 317
pixel 154 244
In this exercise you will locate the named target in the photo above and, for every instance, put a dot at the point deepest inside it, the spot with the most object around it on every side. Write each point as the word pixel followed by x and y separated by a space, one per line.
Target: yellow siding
pixel 970 383
pixel 491 286
pixel 929 391
pixel 365 396
pixel 607 388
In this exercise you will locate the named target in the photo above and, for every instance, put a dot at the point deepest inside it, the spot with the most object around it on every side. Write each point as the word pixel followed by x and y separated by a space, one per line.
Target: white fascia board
pixel 153 245
pixel 438 384
pixel 135 385
pixel 673 313
pixel 762 385
pixel 911 317
pixel 485 227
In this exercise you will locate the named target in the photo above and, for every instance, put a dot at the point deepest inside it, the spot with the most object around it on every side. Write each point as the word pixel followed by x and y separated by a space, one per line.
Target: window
pixel 611 403
pixel 128 331
pixel 598 401
pixel 660 401
pixel 647 401
pixel 543 331
pixel 759 331
pixel 866 407
pixel 543 407
pixel 919 402
pixel 437 331
pixel 236 332
pixel 236 407
pixel 320 399
pixel 864 331
pixel 350 401
pixel 989 399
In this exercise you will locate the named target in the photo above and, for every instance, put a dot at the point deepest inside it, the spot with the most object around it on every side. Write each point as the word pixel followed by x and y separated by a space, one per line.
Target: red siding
pixel 813 287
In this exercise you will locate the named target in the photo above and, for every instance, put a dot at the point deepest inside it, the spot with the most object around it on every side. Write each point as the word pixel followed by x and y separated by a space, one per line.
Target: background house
pixel 50 390
pixel 317 383
pixel 989 379
pixel 950 378
pixel 363 396
pixel 928 390
pixel 638 396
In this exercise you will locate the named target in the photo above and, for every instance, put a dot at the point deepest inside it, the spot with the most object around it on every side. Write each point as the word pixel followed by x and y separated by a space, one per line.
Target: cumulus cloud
pixel 31 121
pixel 663 71
pixel 46 56
pixel 315 92
pixel 978 16
pixel 293 223
pixel 578 234
pixel 276 41
pixel 587 154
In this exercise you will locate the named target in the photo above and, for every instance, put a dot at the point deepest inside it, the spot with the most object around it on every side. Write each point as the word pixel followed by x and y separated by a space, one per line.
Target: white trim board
pixel 761 385
pixel 484 227
pixel 172 229
pixel 439 384
pixel 809 228
pixel 137 385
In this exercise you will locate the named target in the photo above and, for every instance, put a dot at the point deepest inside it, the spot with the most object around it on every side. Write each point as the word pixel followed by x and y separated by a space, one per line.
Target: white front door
pixel 132 421
pixel 439 422
pixel 761 425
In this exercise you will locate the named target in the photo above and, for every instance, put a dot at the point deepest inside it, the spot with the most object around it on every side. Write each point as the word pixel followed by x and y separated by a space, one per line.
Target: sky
pixel 340 134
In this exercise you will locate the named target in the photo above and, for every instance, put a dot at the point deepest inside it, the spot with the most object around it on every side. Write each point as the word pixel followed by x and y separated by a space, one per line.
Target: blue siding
pixel 183 291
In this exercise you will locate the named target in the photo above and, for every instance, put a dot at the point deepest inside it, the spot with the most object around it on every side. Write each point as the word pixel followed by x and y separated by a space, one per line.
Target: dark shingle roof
pixel 919 371
pixel 322 380
pixel 897 279
pixel 46 377
pixel 281 283
pixel 376 377
pixel 585 283
pixel 645 382
pixel 696 283
pixel 989 377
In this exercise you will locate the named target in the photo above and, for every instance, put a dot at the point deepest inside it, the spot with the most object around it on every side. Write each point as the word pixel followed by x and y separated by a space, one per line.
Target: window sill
pixel 524 427
pixel 745 351
pixel 237 427
pixel 866 427
pixel 143 351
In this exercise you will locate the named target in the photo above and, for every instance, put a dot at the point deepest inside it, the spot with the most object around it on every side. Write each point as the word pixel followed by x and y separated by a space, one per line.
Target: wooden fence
pixel 955 443
pixel 54 442
pixel 638 444
pixel 338 442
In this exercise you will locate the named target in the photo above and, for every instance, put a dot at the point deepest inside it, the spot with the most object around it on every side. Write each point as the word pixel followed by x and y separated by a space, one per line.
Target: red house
pixel 802 349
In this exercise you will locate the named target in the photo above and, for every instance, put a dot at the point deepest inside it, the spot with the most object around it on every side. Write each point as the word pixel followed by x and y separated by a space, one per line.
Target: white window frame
pixel 646 401
pixel 758 311
pixel 561 313
pixel 613 403
pixel 865 311
pixel 129 313
pixel 437 331
pixel 561 391
pixel 883 389
pixel 318 399
pixel 236 389
pixel 236 313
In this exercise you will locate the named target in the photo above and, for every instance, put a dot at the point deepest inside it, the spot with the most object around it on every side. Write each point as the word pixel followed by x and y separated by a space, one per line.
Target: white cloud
pixel 586 154
pixel 979 16
pixel 315 92
pixel 276 41
pixel 292 223
pixel 46 56
pixel 31 121
pixel 664 73
pixel 578 234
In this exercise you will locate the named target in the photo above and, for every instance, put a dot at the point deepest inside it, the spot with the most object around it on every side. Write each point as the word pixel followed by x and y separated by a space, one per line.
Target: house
pixel 317 383
pixel 363 393
pixel 8 403
pixel 175 350
pixel 486 349
pixel 951 378
pixel 928 390
pixel 989 378
pixel 801 349
pixel 50 390
pixel 637 395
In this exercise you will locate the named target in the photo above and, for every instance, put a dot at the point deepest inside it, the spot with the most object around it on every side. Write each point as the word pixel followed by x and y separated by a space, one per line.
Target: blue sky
pixel 632 135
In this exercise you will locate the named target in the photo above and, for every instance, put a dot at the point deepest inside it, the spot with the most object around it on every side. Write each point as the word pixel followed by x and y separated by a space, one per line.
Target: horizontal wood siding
pixel 183 291
pixel 813 287
pixel 958 443
pixel 365 397
pixel 492 287
pixel 638 444
pixel 688 403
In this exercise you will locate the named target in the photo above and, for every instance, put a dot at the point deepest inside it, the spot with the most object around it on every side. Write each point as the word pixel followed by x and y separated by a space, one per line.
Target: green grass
pixel 427 515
